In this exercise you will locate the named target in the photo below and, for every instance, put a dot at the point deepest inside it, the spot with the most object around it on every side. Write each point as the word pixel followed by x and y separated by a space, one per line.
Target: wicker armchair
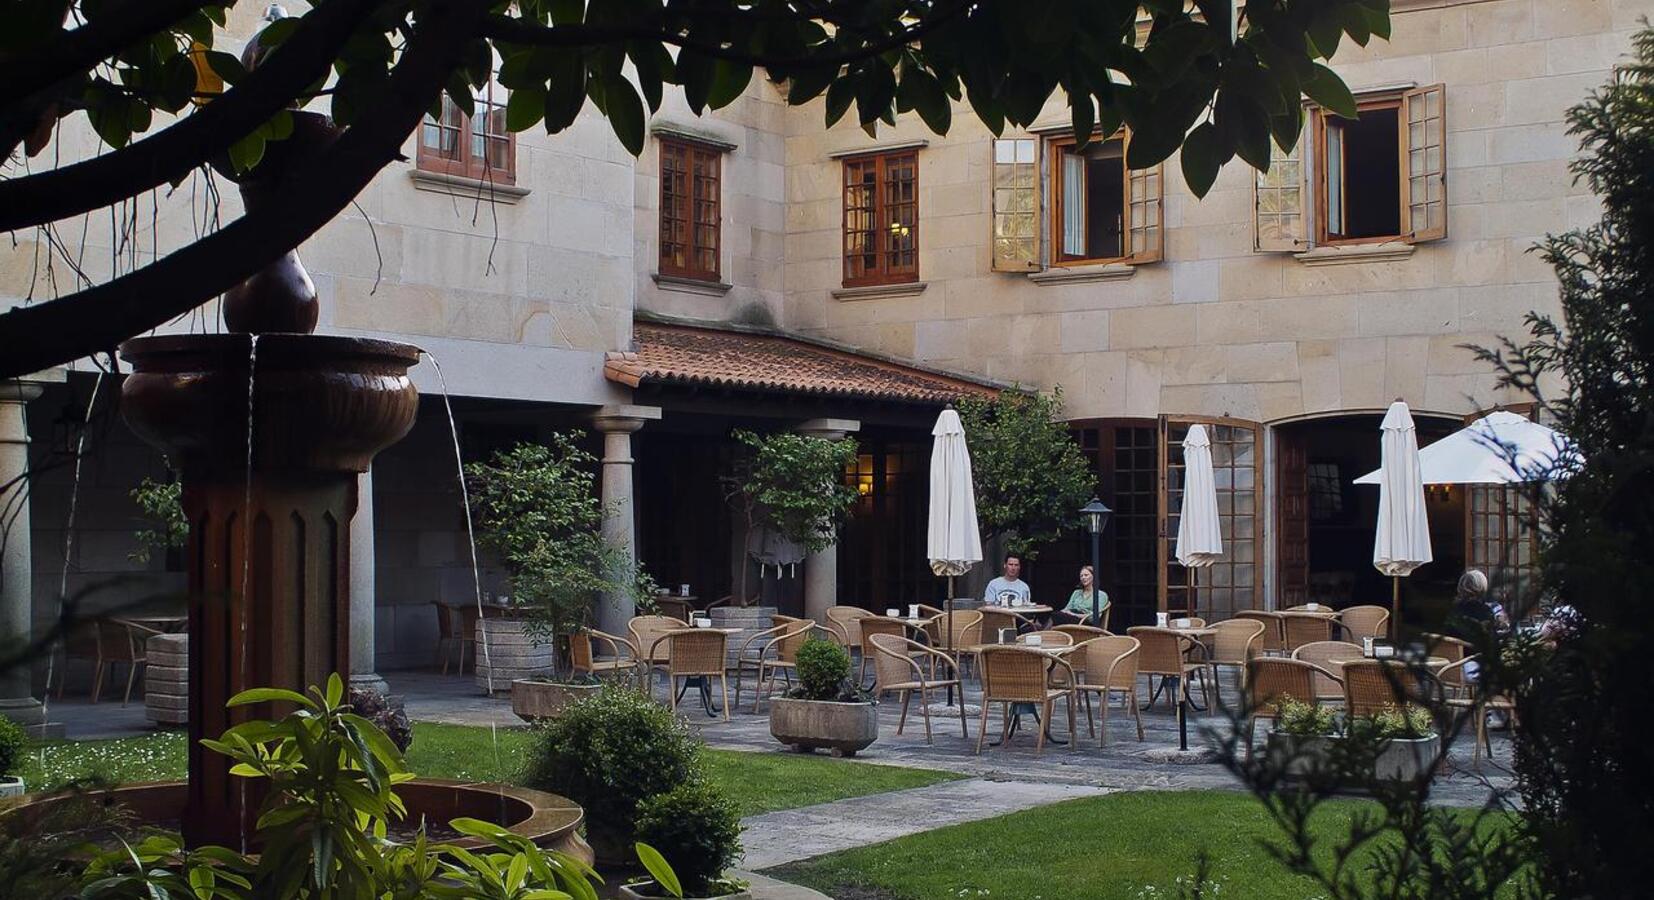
pixel 1271 681
pixel 967 634
pixel 1237 641
pixel 1082 632
pixel 620 658
pixel 1370 685
pixel 1110 668
pixel 1328 657
pixel 1066 617
pixel 1273 639
pixel 107 643
pixel 995 619
pixel 870 626
pixel 895 668
pixel 1300 628
pixel 693 653
pixel 772 650
pixel 1015 674
pixel 1046 639
pixel 1188 622
pixel 1477 704
pixel 1162 653
pixel 1364 622
pixel 844 622
pixel 644 632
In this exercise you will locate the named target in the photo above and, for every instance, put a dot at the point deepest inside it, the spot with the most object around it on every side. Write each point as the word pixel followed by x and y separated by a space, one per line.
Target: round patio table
pixel 1018 710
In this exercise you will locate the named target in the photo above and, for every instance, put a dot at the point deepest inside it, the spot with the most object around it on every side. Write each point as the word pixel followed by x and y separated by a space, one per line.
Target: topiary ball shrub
pixel 609 753
pixel 12 741
pixel 696 827
pixel 824 673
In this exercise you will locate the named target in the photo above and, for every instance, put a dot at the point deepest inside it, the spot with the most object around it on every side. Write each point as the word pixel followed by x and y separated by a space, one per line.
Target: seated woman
pixel 1079 602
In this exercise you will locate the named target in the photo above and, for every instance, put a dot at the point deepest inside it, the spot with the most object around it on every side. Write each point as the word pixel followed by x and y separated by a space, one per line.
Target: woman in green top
pixel 1079 602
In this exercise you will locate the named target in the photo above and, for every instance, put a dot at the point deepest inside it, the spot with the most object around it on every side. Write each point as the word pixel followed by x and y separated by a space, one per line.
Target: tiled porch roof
pixel 671 353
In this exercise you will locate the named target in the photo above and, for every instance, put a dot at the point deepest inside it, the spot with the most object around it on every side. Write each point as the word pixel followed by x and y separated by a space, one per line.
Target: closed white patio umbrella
pixel 953 541
pixel 1199 534
pixel 1403 541
pixel 1499 448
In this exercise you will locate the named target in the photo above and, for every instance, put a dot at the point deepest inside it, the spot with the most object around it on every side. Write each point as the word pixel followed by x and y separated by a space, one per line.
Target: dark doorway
pixel 881 556
pixel 1325 523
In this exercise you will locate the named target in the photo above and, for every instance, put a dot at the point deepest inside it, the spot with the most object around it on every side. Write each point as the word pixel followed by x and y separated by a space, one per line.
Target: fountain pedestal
pixel 269 549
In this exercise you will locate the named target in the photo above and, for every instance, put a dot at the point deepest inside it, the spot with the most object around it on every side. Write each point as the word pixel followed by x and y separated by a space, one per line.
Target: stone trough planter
pixel 1399 759
pixel 534 700
pixel 807 725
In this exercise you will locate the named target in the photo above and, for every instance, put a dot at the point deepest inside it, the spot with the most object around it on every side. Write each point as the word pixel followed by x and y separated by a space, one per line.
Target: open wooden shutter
pixel 1424 164
pixel 1279 220
pixel 1146 239
pixel 1016 218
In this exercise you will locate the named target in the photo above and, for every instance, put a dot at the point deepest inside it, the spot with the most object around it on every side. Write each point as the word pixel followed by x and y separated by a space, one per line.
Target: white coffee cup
pixel 683 590
pixel 703 623
pixel 1035 640
pixel 893 612
pixel 1180 623
pixel 1312 606
pixel 1160 619
pixel 913 610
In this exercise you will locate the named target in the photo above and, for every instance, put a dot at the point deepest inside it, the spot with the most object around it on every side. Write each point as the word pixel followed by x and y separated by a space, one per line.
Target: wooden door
pixel 1292 517
pixel 1217 591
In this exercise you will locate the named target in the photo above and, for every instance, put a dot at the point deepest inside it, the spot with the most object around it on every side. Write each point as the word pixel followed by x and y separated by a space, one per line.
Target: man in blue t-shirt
pixel 1008 587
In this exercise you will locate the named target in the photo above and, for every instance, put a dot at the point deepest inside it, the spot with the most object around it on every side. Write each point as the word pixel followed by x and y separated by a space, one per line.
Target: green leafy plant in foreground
pixel 697 826
pixel 323 829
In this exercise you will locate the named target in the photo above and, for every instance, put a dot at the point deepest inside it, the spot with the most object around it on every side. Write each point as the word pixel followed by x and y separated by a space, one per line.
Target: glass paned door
pixel 1233 583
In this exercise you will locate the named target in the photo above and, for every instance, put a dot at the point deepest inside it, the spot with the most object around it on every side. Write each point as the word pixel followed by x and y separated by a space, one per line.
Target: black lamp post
pixel 1096 518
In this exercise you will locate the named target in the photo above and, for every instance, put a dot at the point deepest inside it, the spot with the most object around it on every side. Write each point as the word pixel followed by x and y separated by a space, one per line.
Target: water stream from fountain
pixel 69 541
pixel 470 531
pixel 247 546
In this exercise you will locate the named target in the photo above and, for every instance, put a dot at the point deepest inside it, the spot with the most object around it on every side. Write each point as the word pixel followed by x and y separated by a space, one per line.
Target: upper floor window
pixel 689 209
pixel 1379 177
pixel 1016 205
pixel 471 146
pixel 1101 210
pixel 881 218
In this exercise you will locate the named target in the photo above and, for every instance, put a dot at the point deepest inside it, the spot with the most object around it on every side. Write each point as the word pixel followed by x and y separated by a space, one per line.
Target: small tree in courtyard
pixel 1031 478
pixel 537 507
pixel 793 484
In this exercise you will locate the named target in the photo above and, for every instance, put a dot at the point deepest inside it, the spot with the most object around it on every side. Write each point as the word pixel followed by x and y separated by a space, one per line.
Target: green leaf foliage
pixel 166 527
pixel 1031 478
pixel 12 742
pixel 795 484
pixel 696 829
pixel 538 510
pixel 823 672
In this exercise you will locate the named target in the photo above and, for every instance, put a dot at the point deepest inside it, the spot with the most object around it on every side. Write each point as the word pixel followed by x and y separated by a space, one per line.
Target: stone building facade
pixel 1287 311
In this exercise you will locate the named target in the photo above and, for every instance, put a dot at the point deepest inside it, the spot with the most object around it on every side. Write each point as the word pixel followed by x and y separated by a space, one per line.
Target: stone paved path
pixel 773 839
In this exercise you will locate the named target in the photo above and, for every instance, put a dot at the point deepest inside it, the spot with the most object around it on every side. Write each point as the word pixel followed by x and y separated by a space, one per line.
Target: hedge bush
pixel 697 828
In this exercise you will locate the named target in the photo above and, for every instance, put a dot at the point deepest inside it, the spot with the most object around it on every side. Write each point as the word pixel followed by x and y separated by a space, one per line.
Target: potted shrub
pixel 538 511
pixel 696 831
pixel 826 710
pixel 12 741
pixel 609 754
pixel 539 699
pixel 1302 739
pixel 1406 741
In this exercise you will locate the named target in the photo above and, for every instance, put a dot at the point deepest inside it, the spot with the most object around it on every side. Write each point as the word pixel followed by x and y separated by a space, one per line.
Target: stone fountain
pixel 269 426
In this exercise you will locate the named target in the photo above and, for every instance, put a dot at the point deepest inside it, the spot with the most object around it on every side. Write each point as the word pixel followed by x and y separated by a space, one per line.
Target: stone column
pixel 617 422
pixel 17 700
pixel 363 599
pixel 821 567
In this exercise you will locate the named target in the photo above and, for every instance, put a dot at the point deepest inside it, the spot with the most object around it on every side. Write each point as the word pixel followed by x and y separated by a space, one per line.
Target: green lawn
pixel 757 782
pixel 1131 846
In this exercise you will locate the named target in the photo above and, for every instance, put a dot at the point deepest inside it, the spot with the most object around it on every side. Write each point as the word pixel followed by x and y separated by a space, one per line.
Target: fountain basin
pixel 321 403
pixel 550 821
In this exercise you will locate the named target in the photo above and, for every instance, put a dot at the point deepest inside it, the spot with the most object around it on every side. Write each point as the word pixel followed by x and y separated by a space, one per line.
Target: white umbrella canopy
pixel 1199 534
pixel 1403 542
pixel 953 543
pixel 1500 448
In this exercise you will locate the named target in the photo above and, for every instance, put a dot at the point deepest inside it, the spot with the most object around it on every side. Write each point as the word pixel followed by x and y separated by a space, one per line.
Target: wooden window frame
pixel 1054 151
pixel 1407 232
pixel 468 164
pixel 883 272
pixel 699 196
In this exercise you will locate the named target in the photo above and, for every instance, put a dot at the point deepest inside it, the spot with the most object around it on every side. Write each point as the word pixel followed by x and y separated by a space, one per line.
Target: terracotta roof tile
pixel 693 355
